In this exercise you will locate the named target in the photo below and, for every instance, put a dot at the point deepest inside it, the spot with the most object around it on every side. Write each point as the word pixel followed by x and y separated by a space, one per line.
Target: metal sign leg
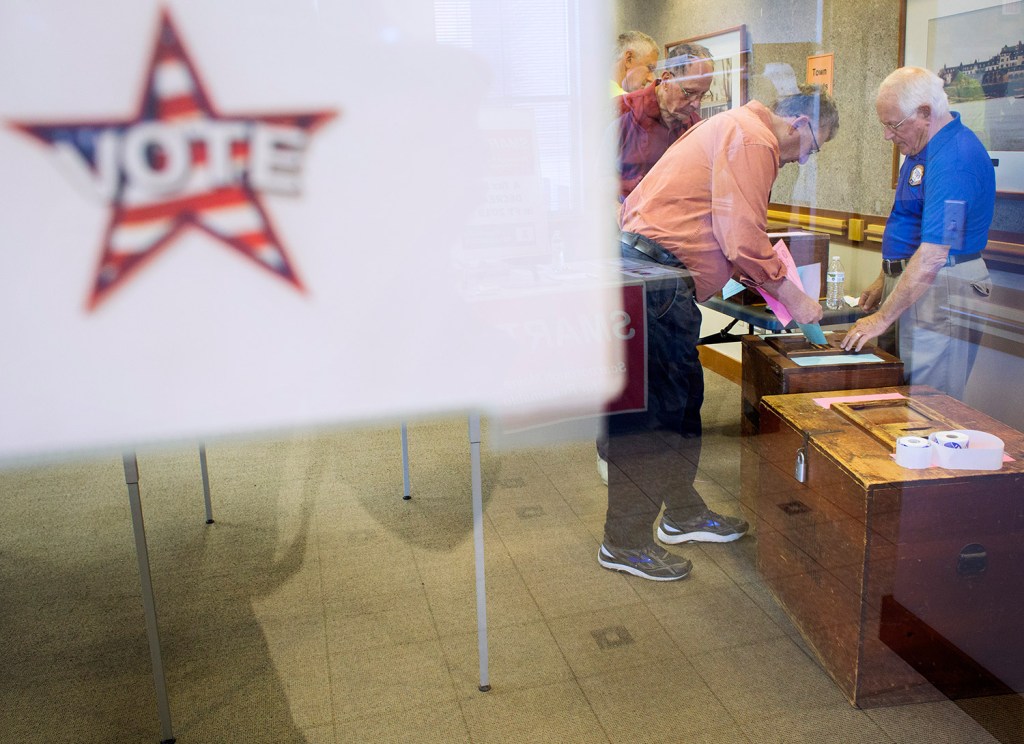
pixel 131 478
pixel 405 462
pixel 478 544
pixel 206 483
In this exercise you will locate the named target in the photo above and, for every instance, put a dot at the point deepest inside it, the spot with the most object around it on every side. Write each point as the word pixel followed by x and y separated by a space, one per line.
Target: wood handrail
pixel 865 230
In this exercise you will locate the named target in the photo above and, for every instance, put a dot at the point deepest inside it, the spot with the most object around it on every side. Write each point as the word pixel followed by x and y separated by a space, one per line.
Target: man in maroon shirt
pixel 657 115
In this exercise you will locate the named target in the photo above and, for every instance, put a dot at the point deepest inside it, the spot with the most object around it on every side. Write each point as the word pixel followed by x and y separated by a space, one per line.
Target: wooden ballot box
pixel 907 584
pixel 805 246
pixel 772 365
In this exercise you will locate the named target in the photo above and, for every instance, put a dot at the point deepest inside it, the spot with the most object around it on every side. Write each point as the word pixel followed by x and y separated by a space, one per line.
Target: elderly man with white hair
pixel 934 281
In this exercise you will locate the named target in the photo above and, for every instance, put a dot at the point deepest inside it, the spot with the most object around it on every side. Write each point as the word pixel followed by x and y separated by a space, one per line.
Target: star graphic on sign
pixel 181 163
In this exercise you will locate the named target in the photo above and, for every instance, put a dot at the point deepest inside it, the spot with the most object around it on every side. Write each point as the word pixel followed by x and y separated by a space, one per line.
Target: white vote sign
pixel 235 217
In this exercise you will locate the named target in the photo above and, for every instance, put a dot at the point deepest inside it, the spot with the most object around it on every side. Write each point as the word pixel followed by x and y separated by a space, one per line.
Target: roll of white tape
pixel 913 452
pixel 951 439
pixel 913 441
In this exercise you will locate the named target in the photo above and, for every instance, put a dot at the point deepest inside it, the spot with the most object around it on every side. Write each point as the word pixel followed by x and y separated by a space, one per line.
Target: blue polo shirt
pixel 954 165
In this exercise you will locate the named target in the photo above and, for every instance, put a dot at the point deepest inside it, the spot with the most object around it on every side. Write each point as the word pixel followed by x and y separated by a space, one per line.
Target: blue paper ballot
pixel 731 287
pixel 824 361
pixel 813 333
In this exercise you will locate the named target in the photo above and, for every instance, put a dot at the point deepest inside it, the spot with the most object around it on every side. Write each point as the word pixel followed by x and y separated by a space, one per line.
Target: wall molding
pixel 1004 251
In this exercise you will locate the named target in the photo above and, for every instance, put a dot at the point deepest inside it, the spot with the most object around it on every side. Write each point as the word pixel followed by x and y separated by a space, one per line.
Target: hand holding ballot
pixel 786 297
pixel 802 308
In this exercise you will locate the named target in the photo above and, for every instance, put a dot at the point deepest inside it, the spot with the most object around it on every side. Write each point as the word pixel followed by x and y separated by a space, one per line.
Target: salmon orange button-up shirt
pixel 706 200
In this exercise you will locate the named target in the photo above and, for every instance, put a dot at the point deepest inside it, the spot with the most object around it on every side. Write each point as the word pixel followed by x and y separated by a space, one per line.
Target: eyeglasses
pixel 814 139
pixel 695 95
pixel 899 124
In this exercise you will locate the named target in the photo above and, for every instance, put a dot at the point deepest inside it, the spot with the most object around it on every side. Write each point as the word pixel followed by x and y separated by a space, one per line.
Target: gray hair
pixel 915 87
pixel 684 55
pixel 813 102
pixel 637 41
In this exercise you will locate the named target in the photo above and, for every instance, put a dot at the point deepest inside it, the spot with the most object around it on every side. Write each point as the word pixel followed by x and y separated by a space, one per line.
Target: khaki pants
pixel 938 336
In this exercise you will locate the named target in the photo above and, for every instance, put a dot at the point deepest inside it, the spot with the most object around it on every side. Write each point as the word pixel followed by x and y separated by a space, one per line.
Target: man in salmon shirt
pixel 701 209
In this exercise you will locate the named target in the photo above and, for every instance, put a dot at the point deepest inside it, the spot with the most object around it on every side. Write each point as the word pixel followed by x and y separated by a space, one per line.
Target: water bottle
pixel 558 248
pixel 835 281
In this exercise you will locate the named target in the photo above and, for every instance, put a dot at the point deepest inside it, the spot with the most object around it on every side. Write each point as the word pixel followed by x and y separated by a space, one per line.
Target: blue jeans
pixel 655 453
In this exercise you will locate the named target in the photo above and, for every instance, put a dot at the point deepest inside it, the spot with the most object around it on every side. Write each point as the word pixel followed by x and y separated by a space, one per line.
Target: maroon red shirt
pixel 643 136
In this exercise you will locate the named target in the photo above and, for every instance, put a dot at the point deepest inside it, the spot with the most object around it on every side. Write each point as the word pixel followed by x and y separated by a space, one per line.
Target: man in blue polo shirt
pixel 933 281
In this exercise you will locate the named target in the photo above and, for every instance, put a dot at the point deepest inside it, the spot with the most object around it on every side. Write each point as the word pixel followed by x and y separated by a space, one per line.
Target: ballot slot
pixel 888 420
pixel 795 345
pixel 768 369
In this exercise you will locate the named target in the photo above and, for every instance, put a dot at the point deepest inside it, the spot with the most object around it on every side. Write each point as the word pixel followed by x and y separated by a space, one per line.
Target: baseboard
pixel 720 363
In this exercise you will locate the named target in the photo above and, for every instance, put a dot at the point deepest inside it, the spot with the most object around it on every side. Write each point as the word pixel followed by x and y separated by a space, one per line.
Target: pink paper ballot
pixel 792 274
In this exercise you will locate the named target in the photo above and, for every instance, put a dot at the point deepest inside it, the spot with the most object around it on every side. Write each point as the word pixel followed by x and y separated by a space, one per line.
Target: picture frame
pixel 958 39
pixel 731 54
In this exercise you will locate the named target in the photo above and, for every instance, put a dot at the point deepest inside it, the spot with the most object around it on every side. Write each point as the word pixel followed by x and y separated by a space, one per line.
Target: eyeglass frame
pixel 817 149
pixel 897 125
pixel 694 96
pixel 689 95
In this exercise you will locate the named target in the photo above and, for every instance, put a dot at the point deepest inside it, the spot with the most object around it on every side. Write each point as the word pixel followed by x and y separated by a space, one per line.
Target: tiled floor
pixel 321 607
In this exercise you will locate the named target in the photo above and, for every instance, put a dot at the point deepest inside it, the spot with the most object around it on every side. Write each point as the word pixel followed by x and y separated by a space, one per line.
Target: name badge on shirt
pixel 916 175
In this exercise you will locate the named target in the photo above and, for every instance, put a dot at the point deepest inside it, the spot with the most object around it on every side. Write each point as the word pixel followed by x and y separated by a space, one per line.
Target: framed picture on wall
pixel 977 48
pixel 730 52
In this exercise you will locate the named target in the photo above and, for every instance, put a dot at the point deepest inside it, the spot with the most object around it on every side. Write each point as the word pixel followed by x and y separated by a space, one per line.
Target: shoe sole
pixel 641 574
pixel 709 537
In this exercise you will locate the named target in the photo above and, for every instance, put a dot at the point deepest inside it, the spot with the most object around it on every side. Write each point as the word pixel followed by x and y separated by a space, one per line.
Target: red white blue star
pixel 180 163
